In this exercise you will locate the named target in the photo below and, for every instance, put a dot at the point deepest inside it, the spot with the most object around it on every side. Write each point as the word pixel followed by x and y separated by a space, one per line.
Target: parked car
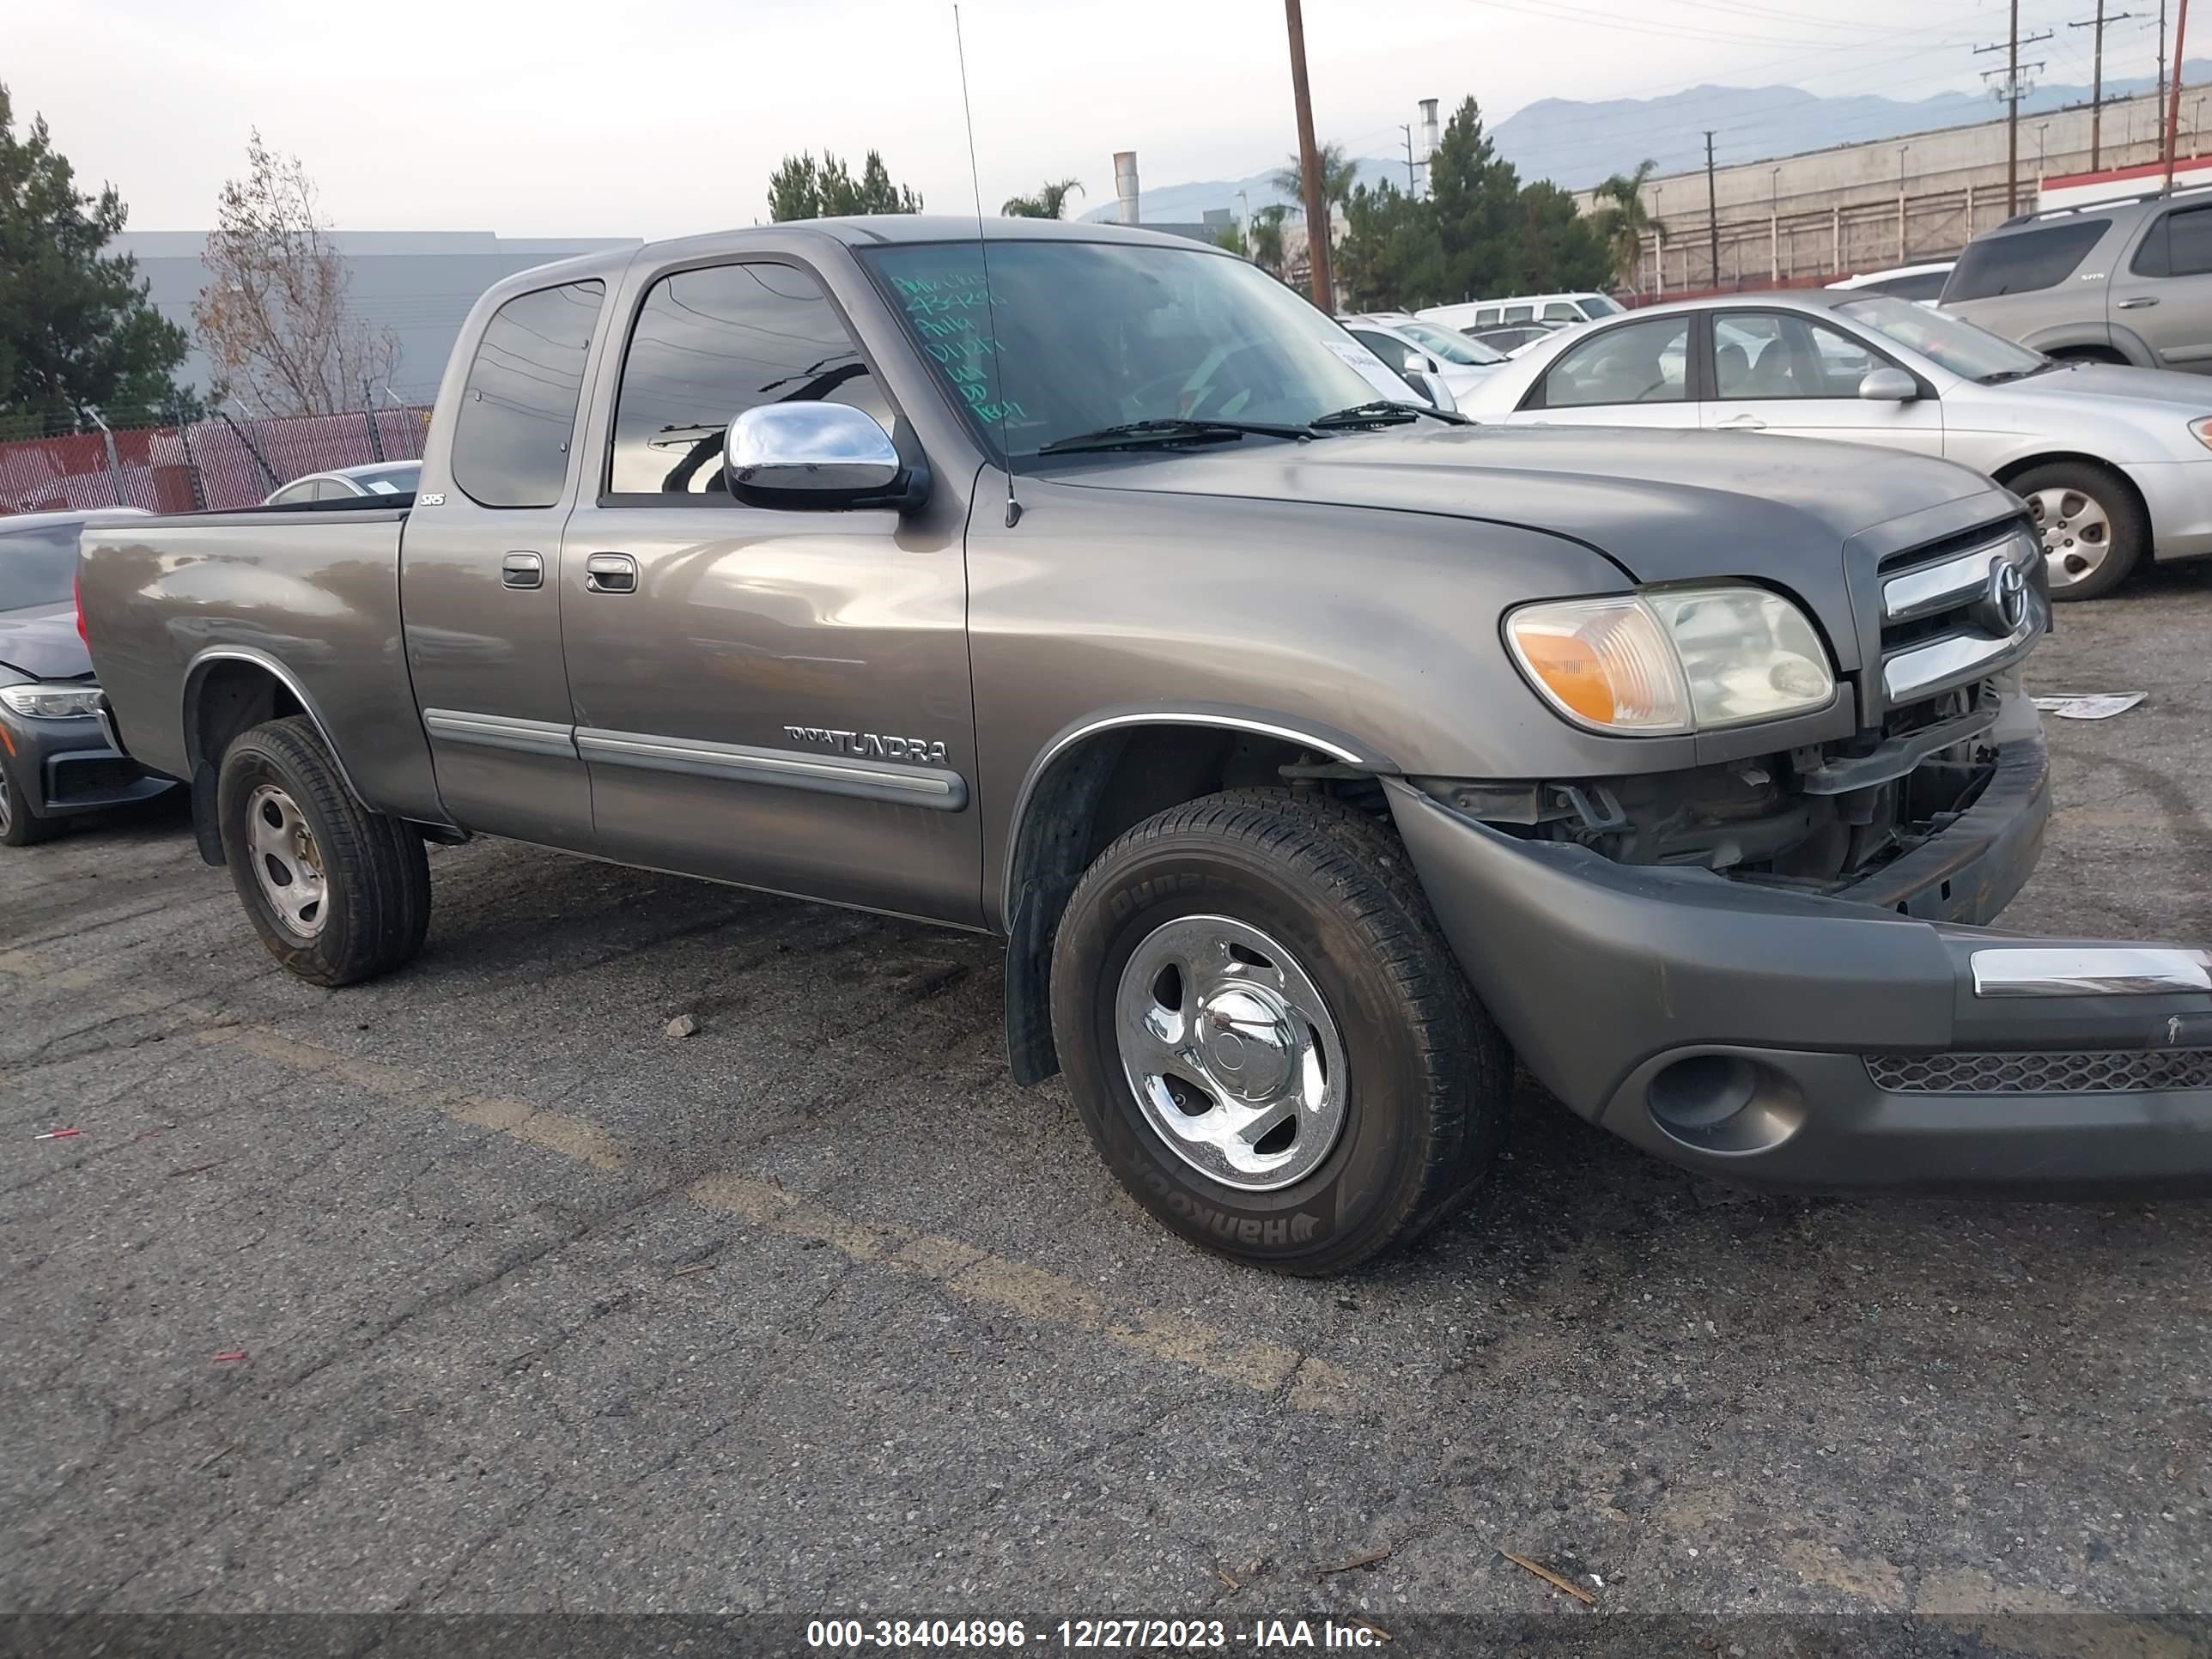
pixel 1522 308
pixel 1512 338
pixel 2126 282
pixel 1412 347
pixel 349 482
pixel 1315 753
pixel 1923 284
pixel 55 762
pixel 2116 464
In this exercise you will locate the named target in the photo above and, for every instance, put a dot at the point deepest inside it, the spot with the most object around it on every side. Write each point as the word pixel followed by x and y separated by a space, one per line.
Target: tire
pixel 337 893
pixel 1408 1067
pixel 2073 501
pixel 20 825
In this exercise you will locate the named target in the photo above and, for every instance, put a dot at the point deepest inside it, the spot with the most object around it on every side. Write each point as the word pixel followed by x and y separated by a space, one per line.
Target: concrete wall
pixel 1834 212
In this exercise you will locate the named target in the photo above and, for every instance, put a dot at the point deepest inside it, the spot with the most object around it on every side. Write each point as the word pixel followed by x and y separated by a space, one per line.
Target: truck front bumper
pixel 1877 1038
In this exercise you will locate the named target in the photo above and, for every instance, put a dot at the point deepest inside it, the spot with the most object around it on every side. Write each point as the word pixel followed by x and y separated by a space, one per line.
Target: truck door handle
pixel 522 570
pixel 1742 423
pixel 610 573
pixel 2138 303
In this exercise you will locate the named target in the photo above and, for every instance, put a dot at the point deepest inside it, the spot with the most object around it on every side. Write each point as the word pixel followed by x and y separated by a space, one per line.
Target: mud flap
pixel 205 829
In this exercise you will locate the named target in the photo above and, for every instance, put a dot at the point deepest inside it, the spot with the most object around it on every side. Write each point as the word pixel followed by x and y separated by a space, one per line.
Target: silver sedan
pixel 2116 463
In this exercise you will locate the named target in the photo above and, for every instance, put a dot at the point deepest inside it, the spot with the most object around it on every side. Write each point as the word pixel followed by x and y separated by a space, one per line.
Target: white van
pixel 1522 308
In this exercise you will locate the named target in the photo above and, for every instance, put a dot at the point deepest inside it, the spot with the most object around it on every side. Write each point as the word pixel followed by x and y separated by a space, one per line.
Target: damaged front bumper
pixel 1874 1038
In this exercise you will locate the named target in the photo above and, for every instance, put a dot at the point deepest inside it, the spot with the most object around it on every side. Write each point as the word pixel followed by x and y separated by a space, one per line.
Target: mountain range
pixel 1577 144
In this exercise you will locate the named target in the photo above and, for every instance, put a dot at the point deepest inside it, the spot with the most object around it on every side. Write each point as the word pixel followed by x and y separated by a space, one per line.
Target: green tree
pixel 1392 255
pixel 1338 172
pixel 1621 219
pixel 1051 201
pixel 1266 237
pixel 1558 247
pixel 1233 239
pixel 75 326
pixel 805 189
pixel 1476 197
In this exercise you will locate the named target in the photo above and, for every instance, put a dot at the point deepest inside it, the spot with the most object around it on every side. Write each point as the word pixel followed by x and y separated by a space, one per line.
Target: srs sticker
pixel 1379 374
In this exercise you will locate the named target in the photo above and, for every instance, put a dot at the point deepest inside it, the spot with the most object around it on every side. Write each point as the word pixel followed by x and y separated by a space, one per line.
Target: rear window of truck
pixel 517 410
pixel 2024 261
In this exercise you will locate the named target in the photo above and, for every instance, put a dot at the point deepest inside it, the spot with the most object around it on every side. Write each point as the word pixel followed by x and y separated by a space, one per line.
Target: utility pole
pixel 1324 286
pixel 2173 103
pixel 2097 79
pixel 2161 54
pixel 1712 213
pixel 1406 127
pixel 2010 47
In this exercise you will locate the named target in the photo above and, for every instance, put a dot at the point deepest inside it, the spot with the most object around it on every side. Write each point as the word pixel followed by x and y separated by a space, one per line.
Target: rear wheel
pixel 20 823
pixel 337 892
pixel 1268 1038
pixel 2093 530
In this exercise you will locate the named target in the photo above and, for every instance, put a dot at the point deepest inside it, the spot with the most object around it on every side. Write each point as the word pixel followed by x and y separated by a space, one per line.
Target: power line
pixel 2010 47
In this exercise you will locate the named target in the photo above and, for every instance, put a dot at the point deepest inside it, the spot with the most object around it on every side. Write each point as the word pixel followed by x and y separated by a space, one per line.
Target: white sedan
pixel 1411 346
pixel 2116 463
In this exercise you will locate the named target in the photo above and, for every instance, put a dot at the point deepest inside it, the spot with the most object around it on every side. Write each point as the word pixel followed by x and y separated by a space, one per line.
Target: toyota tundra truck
pixel 1318 755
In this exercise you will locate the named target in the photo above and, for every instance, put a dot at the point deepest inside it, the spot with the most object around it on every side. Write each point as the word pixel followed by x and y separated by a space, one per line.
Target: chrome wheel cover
pixel 2077 534
pixel 1233 1056
pixel 286 861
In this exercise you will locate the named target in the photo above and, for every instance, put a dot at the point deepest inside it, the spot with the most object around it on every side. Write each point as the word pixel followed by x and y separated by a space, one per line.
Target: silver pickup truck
pixel 1318 753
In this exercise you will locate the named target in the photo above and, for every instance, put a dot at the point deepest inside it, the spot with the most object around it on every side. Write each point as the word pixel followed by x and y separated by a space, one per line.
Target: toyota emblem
pixel 2004 607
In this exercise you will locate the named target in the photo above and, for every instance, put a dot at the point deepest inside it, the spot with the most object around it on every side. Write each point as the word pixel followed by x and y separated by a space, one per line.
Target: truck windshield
pixel 1076 337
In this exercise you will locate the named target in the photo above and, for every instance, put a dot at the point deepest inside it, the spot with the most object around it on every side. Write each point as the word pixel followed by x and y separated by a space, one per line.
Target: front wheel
pixel 1267 1037
pixel 2092 528
pixel 20 823
pixel 337 892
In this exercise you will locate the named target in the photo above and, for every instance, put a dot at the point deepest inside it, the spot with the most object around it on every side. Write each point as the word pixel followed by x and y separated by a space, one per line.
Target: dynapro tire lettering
pixel 872 745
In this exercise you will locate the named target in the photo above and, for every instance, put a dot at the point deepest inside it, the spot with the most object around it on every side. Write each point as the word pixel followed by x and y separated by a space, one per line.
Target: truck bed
pixel 191 610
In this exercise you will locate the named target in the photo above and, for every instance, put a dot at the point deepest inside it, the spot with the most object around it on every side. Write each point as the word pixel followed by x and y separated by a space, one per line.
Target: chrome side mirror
pixel 819 455
pixel 1889 385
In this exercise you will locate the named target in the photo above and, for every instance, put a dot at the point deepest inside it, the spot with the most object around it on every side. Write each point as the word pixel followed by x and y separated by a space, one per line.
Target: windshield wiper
pixel 2004 376
pixel 1136 434
pixel 1385 411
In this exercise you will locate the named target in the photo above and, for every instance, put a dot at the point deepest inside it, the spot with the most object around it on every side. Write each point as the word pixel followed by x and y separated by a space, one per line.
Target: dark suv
pixel 2127 281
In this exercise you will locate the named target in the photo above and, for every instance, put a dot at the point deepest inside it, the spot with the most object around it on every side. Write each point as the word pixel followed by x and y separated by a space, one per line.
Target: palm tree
pixel 1338 172
pixel 1267 238
pixel 1051 201
pixel 1623 222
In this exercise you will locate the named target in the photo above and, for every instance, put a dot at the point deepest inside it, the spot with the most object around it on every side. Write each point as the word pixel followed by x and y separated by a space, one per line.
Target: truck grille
pixel 2090 1072
pixel 1955 613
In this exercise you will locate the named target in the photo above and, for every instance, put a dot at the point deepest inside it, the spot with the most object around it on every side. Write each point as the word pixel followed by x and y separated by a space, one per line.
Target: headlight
pixel 51 702
pixel 2201 431
pixel 1673 660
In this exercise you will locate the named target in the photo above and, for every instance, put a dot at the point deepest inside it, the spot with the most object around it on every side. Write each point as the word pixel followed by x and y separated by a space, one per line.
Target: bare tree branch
pixel 274 316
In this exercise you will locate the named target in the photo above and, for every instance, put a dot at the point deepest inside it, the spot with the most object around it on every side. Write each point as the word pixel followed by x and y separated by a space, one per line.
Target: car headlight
pixel 1673 660
pixel 51 702
pixel 2201 431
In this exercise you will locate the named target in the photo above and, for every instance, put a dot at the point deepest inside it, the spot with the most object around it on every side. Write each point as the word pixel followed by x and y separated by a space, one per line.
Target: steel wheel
pixel 2077 533
pixel 286 860
pixel 1234 1057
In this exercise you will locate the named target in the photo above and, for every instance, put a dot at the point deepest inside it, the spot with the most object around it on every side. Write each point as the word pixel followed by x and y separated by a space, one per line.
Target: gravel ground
pixel 814 1311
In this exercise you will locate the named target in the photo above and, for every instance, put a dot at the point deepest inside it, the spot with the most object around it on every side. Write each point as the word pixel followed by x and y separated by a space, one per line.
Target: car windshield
pixel 1453 348
pixel 1950 342
pixel 37 567
pixel 1078 336
pixel 1596 304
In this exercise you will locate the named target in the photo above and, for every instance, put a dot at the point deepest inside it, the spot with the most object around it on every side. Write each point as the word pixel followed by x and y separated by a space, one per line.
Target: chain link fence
pixel 216 463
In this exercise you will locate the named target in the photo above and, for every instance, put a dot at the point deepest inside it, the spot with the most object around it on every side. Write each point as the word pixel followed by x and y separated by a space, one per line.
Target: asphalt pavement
pixel 470 1290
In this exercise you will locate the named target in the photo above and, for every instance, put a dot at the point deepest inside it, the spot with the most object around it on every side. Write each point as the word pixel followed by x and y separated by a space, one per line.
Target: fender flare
pixel 196 672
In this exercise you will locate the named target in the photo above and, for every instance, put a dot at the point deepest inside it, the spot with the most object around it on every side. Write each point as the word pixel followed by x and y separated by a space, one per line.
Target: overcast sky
pixel 570 118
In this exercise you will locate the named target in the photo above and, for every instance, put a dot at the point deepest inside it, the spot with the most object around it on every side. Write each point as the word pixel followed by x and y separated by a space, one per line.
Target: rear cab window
pixel 37 567
pixel 518 412
pixel 2040 257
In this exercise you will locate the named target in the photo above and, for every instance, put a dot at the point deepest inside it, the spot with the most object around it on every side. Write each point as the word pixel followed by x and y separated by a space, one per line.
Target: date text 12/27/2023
pixel 1130 1634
